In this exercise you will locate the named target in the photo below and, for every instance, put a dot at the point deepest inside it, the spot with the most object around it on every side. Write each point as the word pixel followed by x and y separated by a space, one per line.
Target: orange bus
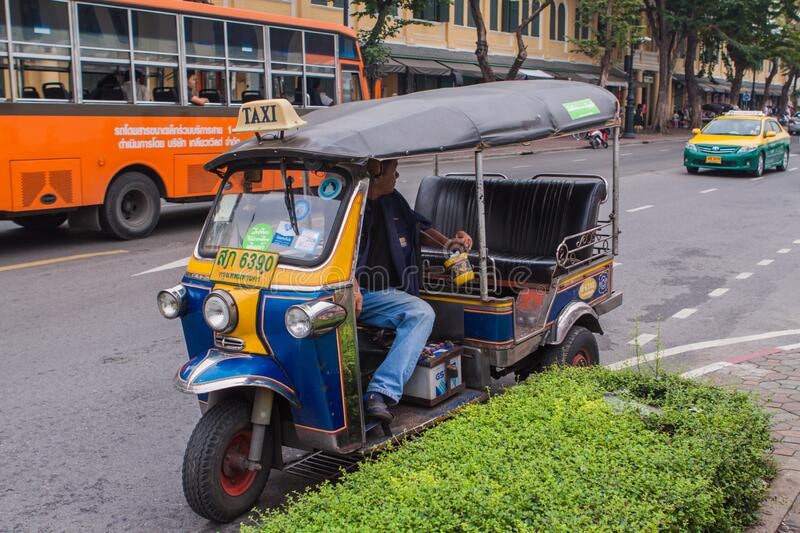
pixel 108 106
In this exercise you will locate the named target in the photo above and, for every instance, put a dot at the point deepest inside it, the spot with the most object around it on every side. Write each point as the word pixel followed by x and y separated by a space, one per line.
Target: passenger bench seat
pixel 526 219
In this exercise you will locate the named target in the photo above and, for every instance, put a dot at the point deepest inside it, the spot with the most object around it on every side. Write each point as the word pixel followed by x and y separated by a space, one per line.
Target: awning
pixel 614 81
pixel 424 66
pixel 705 86
pixel 536 74
pixel 465 69
pixel 391 67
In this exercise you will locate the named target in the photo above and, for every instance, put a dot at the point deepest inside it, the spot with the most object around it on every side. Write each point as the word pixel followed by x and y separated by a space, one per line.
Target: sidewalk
pixel 775 377
pixel 558 144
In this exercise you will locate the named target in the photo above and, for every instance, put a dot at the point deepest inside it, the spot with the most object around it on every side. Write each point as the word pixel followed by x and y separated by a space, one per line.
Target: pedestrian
pixel 638 119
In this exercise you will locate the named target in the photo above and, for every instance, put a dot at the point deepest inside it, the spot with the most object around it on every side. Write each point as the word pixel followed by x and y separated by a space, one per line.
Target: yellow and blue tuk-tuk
pixel 277 356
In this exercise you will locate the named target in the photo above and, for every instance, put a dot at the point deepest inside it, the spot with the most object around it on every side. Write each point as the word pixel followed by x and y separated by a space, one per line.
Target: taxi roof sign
pixel 261 116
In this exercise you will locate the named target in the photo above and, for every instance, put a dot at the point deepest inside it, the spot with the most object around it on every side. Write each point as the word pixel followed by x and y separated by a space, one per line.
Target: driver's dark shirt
pixel 379 272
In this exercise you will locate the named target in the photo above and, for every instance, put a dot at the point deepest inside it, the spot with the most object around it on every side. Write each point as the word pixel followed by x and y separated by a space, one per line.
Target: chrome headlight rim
pixel 229 304
pixel 319 316
pixel 178 296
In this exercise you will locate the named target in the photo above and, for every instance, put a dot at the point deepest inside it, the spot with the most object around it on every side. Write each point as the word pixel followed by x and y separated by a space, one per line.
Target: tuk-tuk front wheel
pixel 578 349
pixel 216 482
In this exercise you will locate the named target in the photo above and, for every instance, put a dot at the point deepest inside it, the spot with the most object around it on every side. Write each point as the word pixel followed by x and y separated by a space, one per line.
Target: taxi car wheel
pixel 578 349
pixel 131 208
pixel 784 162
pixel 759 171
pixel 216 484
pixel 692 170
pixel 41 222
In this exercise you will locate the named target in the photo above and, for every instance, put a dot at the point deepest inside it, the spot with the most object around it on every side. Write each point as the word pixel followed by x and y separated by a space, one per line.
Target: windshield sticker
pixel 581 108
pixel 301 209
pixel 330 188
pixel 258 237
pixel 225 208
pixel 307 241
pixel 284 234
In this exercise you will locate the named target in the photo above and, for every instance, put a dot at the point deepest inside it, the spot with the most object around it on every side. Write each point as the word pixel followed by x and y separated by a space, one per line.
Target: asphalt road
pixel 93 432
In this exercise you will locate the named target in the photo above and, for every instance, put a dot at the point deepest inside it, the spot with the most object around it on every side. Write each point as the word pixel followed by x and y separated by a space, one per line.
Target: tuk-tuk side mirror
pixel 695 131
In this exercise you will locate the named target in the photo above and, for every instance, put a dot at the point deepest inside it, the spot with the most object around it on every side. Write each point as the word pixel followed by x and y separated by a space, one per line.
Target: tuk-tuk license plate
pixel 251 268
pixel 714 159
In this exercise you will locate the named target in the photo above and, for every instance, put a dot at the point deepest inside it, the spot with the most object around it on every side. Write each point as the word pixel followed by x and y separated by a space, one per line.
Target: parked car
pixel 794 124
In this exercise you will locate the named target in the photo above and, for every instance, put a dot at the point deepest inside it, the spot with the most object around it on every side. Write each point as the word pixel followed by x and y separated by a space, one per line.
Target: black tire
pixel 759 171
pixel 131 207
pixel 213 488
pixel 692 170
pixel 784 162
pixel 41 222
pixel 578 349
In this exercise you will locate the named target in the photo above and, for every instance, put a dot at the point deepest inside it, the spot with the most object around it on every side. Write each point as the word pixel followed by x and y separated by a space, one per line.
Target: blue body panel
pixel 570 294
pixel 196 333
pixel 492 327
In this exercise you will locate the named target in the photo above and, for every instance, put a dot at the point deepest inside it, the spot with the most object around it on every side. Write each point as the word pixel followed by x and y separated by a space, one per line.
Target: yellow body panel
pixel 246 299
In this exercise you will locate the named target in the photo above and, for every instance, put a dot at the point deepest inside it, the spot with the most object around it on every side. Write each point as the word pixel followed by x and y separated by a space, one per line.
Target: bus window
pixel 321 90
pixel 155 45
pixel 348 48
pixel 103 34
pixel 289 86
pixel 41 45
pixel 205 56
pixel 246 61
pixel 351 85
pixel 320 69
pixel 5 82
pixel 209 84
pixel 285 46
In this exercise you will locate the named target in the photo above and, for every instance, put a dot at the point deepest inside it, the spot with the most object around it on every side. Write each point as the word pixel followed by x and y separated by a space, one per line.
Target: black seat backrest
pixel 30 92
pixel 211 94
pixel 249 96
pixel 111 92
pixel 165 94
pixel 527 217
pixel 55 90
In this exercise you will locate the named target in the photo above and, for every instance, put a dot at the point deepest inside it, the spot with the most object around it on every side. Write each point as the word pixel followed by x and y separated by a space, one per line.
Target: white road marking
pixel 664 150
pixel 713 367
pixel 718 292
pixel 642 208
pixel 764 262
pixel 789 347
pixel 642 339
pixel 792 169
pixel 522 166
pixel 697 346
pixel 708 191
pixel 685 313
pixel 175 264
pixel 627 153
pixel 578 160
pixel 796 242
pixel 744 275
pixel 757 179
pixel 784 250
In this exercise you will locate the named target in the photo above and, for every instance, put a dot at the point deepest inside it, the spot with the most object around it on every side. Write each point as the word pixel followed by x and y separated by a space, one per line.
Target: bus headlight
pixel 172 301
pixel 219 311
pixel 313 318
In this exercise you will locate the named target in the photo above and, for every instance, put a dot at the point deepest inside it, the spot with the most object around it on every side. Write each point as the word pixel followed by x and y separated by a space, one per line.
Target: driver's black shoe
pixel 376 408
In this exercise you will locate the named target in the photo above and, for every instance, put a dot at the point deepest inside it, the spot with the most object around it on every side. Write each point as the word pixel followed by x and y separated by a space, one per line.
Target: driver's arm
pixel 433 237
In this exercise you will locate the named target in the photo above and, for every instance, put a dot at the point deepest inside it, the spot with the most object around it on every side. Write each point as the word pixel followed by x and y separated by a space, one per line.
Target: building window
pixel 581 31
pixel 510 15
pixel 435 11
pixel 493 8
pixel 458 12
pixel 535 24
pixel 562 22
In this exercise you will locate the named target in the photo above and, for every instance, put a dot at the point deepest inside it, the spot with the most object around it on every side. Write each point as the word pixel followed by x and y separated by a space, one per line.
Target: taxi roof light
pixel 740 113
pixel 262 116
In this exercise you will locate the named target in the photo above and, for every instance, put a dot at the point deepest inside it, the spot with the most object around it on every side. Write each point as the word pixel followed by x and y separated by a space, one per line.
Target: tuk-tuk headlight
pixel 316 317
pixel 172 301
pixel 219 312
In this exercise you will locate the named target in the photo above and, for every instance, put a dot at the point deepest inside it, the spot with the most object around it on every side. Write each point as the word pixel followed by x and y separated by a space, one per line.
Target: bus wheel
pixel 578 349
pixel 131 208
pixel 216 482
pixel 41 222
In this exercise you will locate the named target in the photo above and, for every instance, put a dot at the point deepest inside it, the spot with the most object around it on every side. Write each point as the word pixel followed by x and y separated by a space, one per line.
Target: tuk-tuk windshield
pixel 246 216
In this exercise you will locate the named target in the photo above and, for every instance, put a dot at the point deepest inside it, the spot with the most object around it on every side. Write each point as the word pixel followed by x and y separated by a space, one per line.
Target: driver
pixel 388 282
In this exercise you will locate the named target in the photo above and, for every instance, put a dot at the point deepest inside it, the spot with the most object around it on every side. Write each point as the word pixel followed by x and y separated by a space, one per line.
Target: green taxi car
pixel 739 140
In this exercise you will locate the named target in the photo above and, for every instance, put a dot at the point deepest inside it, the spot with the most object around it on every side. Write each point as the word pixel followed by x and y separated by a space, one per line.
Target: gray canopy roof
pixel 489 114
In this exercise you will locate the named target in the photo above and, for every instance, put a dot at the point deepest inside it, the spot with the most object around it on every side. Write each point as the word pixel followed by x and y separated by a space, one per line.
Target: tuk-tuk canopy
pixel 484 115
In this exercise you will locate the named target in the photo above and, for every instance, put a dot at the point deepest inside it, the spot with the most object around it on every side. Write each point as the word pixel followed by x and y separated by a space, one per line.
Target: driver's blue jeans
pixel 412 318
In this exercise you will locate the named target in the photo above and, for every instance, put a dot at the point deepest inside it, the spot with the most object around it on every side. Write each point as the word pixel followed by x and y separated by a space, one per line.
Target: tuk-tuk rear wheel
pixel 578 349
pixel 216 483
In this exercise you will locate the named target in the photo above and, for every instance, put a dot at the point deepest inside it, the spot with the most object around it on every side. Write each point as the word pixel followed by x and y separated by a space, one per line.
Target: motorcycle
pixel 597 138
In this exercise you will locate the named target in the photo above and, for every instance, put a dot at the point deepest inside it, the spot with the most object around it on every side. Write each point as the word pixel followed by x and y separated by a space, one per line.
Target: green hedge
pixel 555 453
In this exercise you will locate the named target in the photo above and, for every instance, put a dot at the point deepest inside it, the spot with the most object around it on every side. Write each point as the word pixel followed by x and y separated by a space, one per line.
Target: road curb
pixel 496 154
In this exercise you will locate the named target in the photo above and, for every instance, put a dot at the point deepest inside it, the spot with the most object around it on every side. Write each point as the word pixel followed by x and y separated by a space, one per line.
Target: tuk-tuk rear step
pixel 320 465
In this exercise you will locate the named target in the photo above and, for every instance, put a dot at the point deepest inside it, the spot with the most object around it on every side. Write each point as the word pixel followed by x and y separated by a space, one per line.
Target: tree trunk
pixel 482 45
pixel 736 85
pixel 692 88
pixel 784 100
pixel 665 63
pixel 767 82
pixel 522 50
pixel 605 66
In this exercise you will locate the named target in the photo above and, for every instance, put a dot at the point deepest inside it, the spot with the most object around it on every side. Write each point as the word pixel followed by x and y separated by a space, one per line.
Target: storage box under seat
pixel 436 377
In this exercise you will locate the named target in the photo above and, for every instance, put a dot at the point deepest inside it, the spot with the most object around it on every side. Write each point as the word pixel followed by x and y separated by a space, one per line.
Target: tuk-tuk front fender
pixel 574 313
pixel 217 370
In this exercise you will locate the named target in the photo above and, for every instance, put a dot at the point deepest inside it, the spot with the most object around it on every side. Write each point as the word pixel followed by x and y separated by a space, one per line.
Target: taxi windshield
pixel 254 215
pixel 746 127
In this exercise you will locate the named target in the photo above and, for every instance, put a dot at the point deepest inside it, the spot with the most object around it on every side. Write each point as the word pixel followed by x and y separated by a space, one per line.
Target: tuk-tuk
pixel 277 356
